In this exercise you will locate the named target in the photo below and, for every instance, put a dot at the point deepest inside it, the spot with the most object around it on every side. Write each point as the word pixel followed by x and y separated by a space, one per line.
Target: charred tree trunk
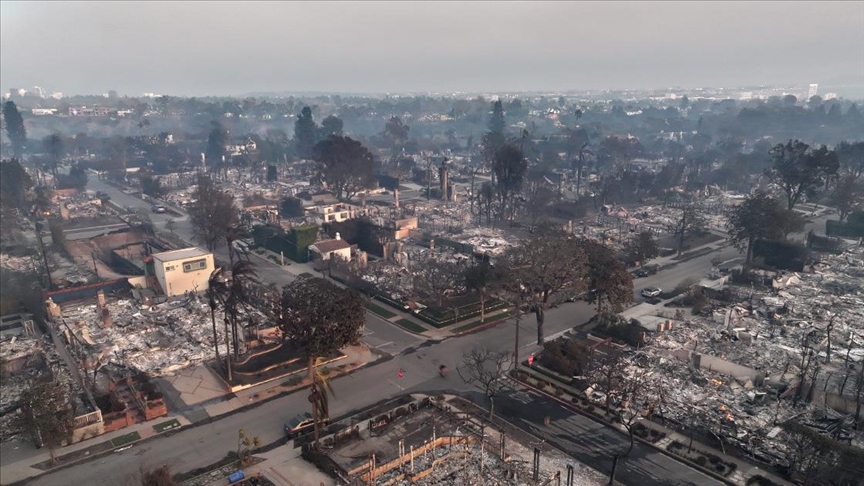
pixel 215 334
pixel 540 313
pixel 310 366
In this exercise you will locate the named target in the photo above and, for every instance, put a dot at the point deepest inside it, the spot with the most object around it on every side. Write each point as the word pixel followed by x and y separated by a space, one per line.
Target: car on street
pixel 240 246
pixel 159 209
pixel 301 424
pixel 103 195
pixel 651 291
pixel 647 270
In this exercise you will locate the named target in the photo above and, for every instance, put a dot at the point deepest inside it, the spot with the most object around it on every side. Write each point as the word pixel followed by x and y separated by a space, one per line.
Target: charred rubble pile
pixel 155 339
pixel 789 353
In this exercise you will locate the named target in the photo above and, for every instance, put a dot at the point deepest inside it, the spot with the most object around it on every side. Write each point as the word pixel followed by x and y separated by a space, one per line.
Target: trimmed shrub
pixel 701 460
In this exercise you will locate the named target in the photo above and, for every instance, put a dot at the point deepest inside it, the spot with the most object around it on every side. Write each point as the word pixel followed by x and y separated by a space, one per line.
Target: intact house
pixel 181 271
pixel 326 249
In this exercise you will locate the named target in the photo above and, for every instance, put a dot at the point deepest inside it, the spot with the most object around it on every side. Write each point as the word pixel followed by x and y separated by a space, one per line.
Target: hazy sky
pixel 219 48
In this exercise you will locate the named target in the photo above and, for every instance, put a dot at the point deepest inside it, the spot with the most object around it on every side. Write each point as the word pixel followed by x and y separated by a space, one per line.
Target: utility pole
pixel 39 227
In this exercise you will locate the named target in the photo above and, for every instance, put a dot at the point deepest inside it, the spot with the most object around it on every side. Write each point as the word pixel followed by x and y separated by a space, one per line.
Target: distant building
pixel 335 213
pixel 830 96
pixel 89 111
pixel 38 92
pixel 43 111
pixel 746 96
pixel 57 95
pixel 181 271
pixel 813 91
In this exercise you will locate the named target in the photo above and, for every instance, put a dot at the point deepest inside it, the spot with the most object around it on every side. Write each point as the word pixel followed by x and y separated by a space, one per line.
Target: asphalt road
pixel 582 437
pixel 203 445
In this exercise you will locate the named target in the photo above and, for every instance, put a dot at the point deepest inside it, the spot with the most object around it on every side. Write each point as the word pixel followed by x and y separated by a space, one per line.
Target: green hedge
pixel 293 244
pixel 781 255
pixel 849 229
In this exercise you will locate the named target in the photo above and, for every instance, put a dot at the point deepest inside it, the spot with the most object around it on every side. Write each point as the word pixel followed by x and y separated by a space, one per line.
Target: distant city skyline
pixel 202 49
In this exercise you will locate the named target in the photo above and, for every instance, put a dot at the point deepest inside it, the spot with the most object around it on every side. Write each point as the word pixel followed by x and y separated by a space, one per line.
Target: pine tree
pixel 15 128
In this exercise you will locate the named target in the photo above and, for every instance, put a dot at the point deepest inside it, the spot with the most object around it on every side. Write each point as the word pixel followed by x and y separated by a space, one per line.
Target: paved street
pixel 206 444
pixel 593 443
pixel 587 440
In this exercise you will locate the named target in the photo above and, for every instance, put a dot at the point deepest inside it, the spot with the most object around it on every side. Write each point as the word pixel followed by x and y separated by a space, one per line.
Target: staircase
pixel 153 284
pixel 133 406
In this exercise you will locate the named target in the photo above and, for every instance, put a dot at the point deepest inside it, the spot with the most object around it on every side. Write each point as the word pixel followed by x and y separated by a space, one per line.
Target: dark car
pixel 301 424
pixel 647 270
pixel 103 195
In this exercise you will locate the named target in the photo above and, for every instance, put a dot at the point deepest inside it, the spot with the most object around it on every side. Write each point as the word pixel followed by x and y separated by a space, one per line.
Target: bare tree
pixel 483 367
pixel 438 277
pixel 47 413
pixel 690 223
pixel 541 268
pixel 160 476
pixel 212 213
pixel 246 444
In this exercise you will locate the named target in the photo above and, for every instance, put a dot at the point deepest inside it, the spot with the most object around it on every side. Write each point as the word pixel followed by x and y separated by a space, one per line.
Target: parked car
pixel 301 424
pixel 651 291
pixel 240 246
pixel 103 195
pixel 159 209
pixel 647 270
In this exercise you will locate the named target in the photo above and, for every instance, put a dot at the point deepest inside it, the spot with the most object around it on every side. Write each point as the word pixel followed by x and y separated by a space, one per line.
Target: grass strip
pixel 380 310
pixel 171 424
pixel 125 439
pixel 411 325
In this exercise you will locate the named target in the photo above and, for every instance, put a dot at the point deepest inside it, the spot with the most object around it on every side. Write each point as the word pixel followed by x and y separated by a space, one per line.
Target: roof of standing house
pixel 184 254
pixel 326 246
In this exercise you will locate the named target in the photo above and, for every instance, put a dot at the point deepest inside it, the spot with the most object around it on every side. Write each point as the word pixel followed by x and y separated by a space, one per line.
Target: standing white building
pixel 813 91
pixel 181 271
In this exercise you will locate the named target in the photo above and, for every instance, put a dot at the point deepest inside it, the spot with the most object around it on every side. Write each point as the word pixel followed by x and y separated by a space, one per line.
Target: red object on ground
pixel 401 374
pixel 530 359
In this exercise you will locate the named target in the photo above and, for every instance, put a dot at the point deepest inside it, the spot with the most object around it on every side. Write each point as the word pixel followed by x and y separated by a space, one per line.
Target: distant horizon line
pixel 286 93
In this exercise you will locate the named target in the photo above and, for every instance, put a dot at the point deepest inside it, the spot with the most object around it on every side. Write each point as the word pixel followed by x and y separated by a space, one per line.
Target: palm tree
pixel 580 165
pixel 237 297
pixel 234 233
pixel 215 293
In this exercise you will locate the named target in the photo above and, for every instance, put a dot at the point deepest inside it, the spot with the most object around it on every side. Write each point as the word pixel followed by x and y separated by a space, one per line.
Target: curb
pixel 611 425
pixel 481 327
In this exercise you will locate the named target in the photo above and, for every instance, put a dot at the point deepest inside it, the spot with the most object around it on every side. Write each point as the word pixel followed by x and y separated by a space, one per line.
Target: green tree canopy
pixel 14 184
pixel 345 165
pixel 798 169
pixel 305 133
pixel 15 128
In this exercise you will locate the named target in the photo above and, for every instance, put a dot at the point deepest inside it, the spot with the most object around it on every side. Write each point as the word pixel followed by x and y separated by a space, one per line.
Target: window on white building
pixel 195 266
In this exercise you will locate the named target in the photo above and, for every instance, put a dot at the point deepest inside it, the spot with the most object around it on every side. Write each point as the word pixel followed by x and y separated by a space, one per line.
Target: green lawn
pixel 125 439
pixel 171 424
pixel 386 314
pixel 411 325
pixel 472 325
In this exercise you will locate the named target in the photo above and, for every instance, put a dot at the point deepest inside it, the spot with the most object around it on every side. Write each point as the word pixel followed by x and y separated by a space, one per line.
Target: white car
pixel 651 292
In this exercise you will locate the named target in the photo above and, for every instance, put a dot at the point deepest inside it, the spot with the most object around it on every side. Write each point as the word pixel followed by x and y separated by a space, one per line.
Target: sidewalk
pixel 21 470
